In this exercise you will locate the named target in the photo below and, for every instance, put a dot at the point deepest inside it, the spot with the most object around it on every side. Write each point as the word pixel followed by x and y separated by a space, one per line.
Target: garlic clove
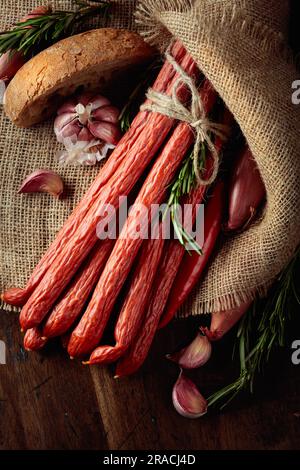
pixel 43 181
pixel 107 114
pixel 64 119
pixel 187 399
pixel 71 131
pixel 11 61
pixel 196 354
pixel 85 135
pixel 97 101
pixel 65 124
pixel 105 131
pixel 67 107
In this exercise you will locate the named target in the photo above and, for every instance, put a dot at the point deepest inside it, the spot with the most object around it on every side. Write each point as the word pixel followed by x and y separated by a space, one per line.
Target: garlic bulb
pixel 43 181
pixel 88 127
pixel 194 355
pixel 187 399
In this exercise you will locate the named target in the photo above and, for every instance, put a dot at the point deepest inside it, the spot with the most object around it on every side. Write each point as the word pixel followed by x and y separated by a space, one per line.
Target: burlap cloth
pixel 29 223
pixel 240 47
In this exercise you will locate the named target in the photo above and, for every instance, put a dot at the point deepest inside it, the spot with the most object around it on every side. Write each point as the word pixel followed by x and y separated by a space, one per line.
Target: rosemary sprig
pixel 259 334
pixel 35 34
pixel 183 184
pixel 186 178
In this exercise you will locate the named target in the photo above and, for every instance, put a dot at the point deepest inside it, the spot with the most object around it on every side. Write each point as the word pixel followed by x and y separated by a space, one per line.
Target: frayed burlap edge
pixel 149 13
pixel 152 15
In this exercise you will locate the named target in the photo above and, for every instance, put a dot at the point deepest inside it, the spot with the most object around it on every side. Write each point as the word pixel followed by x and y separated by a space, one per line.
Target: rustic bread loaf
pixel 87 61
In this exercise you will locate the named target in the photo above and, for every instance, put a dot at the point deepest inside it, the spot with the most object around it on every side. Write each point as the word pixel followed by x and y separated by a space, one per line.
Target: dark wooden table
pixel 50 402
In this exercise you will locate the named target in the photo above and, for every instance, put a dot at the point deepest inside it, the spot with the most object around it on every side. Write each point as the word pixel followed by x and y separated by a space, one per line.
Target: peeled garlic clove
pixel 105 131
pixel 107 114
pixel 187 399
pixel 43 181
pixel 194 355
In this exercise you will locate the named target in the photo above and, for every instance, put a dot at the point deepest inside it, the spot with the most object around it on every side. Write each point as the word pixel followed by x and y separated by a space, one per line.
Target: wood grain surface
pixel 50 402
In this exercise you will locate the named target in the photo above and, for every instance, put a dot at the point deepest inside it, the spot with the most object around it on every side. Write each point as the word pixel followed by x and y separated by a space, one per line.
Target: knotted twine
pixel 195 116
pixel 240 47
pixel 253 79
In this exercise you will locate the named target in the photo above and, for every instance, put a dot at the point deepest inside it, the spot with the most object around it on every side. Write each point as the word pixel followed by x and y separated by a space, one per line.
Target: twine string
pixel 195 116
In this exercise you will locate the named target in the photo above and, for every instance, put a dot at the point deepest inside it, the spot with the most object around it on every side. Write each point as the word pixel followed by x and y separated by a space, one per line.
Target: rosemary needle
pixel 182 185
pixel 259 335
pixel 35 34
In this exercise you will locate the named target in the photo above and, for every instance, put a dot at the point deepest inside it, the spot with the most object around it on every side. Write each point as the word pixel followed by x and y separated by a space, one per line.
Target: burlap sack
pixel 239 46
pixel 29 223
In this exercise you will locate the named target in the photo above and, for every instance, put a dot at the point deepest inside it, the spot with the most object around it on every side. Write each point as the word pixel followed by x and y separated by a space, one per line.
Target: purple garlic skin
pixel 195 355
pixel 187 399
pixel 43 181
pixel 88 117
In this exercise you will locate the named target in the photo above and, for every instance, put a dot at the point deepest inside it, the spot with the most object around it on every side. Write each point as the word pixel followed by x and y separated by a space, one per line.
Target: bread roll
pixel 87 61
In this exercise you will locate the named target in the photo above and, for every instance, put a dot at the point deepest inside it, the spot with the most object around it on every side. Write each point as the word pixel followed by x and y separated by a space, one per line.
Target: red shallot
pixel 246 191
pixel 222 322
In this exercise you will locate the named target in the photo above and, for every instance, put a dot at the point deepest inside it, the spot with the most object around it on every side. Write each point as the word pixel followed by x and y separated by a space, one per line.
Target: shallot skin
pixel 12 60
pixel 222 322
pixel 10 63
pixel 246 191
